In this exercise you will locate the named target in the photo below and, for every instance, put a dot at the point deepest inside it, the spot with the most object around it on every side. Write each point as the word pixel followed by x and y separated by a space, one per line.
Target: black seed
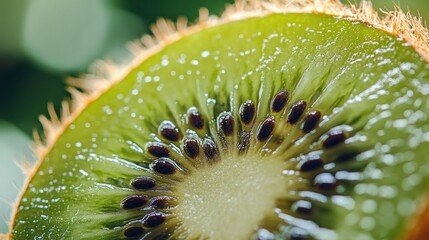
pixel 195 118
pixel 297 233
pixel 311 121
pixel 143 183
pixel 296 112
pixel 153 219
pixel 247 112
pixel 169 131
pixel 334 138
pixel 244 143
pixel 209 148
pixel 158 149
pixel 310 163
pixel 226 123
pixel 347 156
pixel 163 166
pixel 160 202
pixel 280 101
pixel 133 231
pixel 325 181
pixel 302 207
pixel 266 128
pixel 134 201
pixel 161 236
pixel 191 147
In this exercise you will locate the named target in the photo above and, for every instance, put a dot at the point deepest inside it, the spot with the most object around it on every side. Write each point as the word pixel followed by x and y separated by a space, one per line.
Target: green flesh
pixel 364 81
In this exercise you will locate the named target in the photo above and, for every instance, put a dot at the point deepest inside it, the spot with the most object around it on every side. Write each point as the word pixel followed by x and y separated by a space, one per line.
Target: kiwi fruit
pixel 279 120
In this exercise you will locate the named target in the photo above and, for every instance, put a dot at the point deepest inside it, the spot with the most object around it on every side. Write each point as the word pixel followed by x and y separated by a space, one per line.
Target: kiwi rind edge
pixel 103 75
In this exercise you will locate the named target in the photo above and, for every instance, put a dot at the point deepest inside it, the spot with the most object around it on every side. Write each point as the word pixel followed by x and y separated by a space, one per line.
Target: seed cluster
pixel 144 202
pixel 176 154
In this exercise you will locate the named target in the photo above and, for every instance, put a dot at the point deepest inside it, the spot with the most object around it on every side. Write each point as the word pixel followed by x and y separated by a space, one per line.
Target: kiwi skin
pixel 396 23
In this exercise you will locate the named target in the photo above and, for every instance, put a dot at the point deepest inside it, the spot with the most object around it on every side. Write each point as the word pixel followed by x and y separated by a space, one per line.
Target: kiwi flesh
pixel 296 125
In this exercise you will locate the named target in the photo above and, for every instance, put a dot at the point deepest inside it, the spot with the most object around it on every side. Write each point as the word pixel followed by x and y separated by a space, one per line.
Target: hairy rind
pixel 104 75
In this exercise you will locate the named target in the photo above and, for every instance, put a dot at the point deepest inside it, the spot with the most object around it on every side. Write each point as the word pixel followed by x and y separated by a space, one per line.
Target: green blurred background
pixel 42 42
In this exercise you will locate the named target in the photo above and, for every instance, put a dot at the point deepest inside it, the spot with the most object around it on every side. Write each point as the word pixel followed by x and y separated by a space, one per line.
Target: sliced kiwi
pixel 275 122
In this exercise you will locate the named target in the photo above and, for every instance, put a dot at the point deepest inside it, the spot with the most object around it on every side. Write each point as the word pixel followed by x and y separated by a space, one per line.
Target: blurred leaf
pixel 119 35
pixel 171 9
pixel 26 92
pixel 11 20
pixel 14 147
pixel 65 35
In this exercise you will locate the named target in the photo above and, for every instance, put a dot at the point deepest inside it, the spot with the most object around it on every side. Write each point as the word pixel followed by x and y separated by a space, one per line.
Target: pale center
pixel 229 199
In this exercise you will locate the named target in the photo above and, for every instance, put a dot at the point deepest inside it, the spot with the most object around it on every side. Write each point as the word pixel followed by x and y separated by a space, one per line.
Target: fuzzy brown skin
pixel 105 74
